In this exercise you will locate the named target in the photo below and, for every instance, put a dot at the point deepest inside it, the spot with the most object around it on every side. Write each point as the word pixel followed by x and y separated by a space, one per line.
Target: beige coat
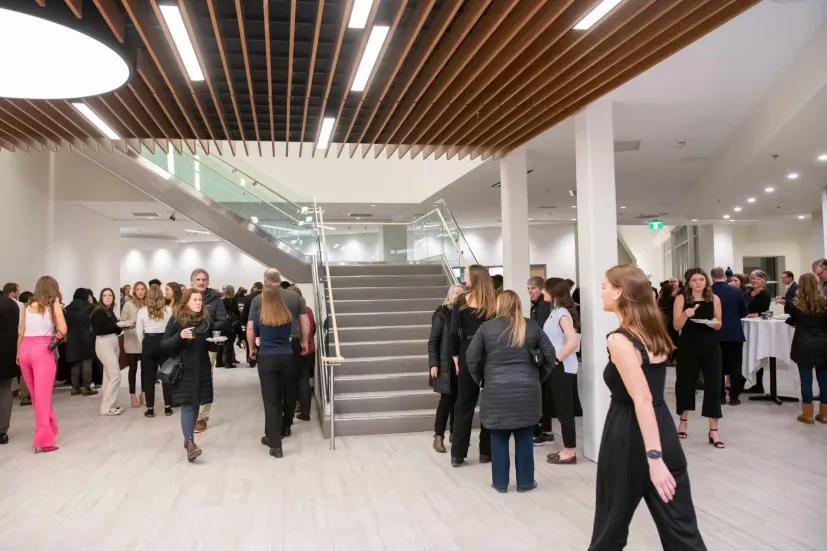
pixel 131 344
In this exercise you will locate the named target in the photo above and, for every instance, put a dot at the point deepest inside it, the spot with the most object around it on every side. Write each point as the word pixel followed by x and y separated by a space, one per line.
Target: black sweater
pixel 104 323
pixel 759 303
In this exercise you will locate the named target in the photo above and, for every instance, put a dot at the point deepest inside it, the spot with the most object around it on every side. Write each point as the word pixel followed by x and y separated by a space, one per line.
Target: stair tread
pixel 357 343
pixel 382 327
pixel 426 413
pixel 386 358
pixel 335 300
pixel 382 313
pixel 383 394
pixel 381 376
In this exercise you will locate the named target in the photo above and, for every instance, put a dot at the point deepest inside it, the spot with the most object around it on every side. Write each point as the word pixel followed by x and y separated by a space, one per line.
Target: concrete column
pixel 597 252
pixel 51 212
pixel 514 193
pixel 723 250
pixel 817 249
pixel 823 224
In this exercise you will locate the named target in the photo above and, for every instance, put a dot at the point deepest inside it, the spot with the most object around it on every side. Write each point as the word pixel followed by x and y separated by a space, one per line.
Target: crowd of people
pixel 173 335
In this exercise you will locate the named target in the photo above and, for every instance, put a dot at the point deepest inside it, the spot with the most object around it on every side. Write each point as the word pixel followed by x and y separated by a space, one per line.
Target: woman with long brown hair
pixel 477 305
pixel 150 326
pixel 808 315
pixel 697 315
pixel 131 343
pixel 640 454
pixel 107 348
pixel 42 325
pixel 173 294
pixel 186 337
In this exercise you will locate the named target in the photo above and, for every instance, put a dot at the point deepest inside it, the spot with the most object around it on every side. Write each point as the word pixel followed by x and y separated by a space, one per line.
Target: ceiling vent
pixel 623 146
pixel 547 207
pixel 500 184
pixel 145 214
pixel 360 215
pixel 650 216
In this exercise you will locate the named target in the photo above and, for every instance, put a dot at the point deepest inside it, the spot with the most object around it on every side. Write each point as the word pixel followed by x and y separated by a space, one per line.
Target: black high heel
pixel 720 445
pixel 682 435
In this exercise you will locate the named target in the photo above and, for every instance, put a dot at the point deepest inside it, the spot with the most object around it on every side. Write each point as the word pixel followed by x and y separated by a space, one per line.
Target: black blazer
pixel 809 347
pixel 540 311
pixel 733 309
pixel 439 350
pixel 790 297
pixel 9 321
pixel 195 386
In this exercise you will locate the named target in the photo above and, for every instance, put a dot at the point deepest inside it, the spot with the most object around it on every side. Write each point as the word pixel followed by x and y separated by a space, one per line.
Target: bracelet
pixel 654 454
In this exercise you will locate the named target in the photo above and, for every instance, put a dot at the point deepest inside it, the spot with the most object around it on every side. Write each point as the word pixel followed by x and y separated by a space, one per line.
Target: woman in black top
pixel 476 306
pixel 443 375
pixel 107 348
pixel 758 302
pixel 699 350
pixel 808 314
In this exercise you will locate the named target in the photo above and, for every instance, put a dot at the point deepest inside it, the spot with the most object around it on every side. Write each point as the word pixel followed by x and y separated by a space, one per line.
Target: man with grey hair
pixel 820 270
pixel 200 280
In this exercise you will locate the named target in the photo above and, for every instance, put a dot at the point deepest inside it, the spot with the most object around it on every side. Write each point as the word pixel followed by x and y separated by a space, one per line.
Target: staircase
pixel 384 316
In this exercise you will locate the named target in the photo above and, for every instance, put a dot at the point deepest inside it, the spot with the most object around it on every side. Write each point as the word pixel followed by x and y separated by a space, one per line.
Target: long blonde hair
pixel 481 292
pixel 155 303
pixel 809 299
pixel 454 291
pixel 273 310
pixel 510 307
pixel 46 293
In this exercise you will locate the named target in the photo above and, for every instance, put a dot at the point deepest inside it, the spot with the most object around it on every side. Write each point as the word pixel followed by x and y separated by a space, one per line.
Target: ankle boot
pixel 822 414
pixel 439 444
pixel 193 451
pixel 806 414
pixel 75 391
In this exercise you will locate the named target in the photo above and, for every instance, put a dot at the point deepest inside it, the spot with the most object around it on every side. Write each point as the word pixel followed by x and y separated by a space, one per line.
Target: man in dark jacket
pixel 9 370
pixel 540 311
pixel 255 291
pixel 731 334
pixel 80 343
pixel 788 279
pixel 200 280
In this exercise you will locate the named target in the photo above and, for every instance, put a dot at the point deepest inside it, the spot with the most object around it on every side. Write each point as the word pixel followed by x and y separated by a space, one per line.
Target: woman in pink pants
pixel 40 322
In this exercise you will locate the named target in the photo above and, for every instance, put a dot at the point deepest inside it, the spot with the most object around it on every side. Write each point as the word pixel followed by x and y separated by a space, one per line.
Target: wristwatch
pixel 654 454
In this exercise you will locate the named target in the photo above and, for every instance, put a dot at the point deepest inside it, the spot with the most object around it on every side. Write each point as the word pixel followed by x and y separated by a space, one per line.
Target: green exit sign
pixel 656 225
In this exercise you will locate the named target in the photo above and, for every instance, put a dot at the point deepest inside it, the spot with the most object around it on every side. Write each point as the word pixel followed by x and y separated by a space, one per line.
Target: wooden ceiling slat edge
pixel 243 38
pixel 40 106
pixel 310 71
pixel 266 9
pixel 150 104
pixel 135 126
pixel 76 6
pixel 131 104
pixel 159 92
pixel 112 15
pixel 17 138
pixel 13 111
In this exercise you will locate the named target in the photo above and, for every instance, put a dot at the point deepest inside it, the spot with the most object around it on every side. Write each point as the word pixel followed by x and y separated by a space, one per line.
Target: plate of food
pixel 217 340
pixel 126 323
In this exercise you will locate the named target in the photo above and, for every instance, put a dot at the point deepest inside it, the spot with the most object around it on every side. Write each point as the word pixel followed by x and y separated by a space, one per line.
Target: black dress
pixel 759 303
pixel 699 351
pixel 623 470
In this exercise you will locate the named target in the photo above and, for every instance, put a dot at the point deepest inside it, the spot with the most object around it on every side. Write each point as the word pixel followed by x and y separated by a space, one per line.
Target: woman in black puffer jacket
pixel 443 373
pixel 511 402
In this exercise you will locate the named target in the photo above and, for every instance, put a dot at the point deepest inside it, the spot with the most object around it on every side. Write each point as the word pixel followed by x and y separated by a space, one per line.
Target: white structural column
pixel 823 240
pixel 514 194
pixel 597 252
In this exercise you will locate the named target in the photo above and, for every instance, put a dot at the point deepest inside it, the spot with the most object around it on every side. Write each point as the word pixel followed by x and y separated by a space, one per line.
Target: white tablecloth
pixel 766 339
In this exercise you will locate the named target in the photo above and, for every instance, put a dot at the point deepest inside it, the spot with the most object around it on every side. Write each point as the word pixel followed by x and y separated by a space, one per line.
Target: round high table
pixel 768 340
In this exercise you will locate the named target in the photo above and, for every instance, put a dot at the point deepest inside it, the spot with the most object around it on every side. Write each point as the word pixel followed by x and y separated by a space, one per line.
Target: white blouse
pixel 146 325
pixel 558 338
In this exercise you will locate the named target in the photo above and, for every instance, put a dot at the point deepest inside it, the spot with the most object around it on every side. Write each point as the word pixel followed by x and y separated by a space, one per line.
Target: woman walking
pixel 640 454
pixel 150 326
pixel 105 327
pixel 443 374
pixel 697 315
pixel 42 326
pixel 186 337
pixel 471 310
pixel 808 315
pixel 500 354
pixel 561 328
pixel 131 343
pixel 80 343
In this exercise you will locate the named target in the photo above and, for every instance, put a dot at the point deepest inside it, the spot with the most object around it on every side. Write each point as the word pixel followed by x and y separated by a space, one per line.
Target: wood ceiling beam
pixel 266 8
pixel 310 71
pixel 219 40
pixel 150 104
pixel 38 114
pixel 507 17
pixel 363 94
pixel 162 96
pixel 76 6
pixel 6 142
pixel 46 110
pixel 73 116
pixel 132 106
pixel 26 124
pixel 14 137
pixel 342 28
pixel 112 15
pixel 135 127
pixel 422 52
pixel 242 37
pixel 447 46
pixel 699 24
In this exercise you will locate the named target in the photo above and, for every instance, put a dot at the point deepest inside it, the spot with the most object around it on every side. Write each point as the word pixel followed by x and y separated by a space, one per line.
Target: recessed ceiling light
pixel 769 189
pixel 181 39
pixel 737 209
pixel 54 61
pixel 622 207
pixel 694 219
pixel 243 182
pixel 254 219
pixel 726 217
pixel 574 206
pixel 751 200
pixel 378 34
pixel 801 217
pixel 823 157
pixel 574 219
pixel 792 176
pixel 324 135
pixel 596 14
pixel 99 123
pixel 359 14
pixel 373 205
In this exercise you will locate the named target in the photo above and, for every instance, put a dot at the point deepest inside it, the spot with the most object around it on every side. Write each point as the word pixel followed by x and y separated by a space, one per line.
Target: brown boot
pixel 806 414
pixel 200 425
pixel 822 414
pixel 193 451
pixel 439 444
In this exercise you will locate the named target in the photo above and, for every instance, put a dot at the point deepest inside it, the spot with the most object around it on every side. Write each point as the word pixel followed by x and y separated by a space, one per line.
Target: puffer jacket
pixel 512 397
pixel 439 350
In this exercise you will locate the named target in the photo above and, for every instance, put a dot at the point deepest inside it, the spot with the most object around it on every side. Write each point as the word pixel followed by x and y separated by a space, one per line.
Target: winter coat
pixel 195 386
pixel 131 344
pixel 218 314
pixel 439 350
pixel 80 339
pixel 9 322
pixel 512 397
pixel 809 346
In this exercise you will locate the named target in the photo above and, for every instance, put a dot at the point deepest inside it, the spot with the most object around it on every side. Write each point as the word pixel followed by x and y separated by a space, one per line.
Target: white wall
pixel 788 238
pixel 645 245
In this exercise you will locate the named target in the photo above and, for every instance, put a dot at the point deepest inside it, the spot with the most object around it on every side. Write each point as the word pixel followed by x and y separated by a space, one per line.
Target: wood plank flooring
pixel 123 483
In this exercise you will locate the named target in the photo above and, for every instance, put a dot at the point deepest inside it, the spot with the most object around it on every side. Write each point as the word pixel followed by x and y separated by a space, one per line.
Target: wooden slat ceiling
pixel 455 77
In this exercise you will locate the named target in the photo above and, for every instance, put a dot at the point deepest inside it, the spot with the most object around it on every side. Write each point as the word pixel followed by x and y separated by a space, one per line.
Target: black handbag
pixel 171 370
pixel 538 359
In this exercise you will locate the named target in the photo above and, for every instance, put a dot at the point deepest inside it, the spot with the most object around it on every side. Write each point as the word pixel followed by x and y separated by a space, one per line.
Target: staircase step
pixel 387 305
pixel 421 420
pixel 372 319
pixel 381 383
pixel 400 400
pixel 386 269
pixel 366 293
pixel 388 280
pixel 383 348
pixel 391 333
pixel 387 365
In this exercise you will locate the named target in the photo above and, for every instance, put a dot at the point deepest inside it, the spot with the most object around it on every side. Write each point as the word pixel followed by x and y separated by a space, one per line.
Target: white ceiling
pixel 699 96
pixel 160 227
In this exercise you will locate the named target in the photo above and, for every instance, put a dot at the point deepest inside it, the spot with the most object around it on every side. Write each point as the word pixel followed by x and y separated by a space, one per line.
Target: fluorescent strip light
pixel 278 228
pixel 327 130
pixel 596 14
pixel 359 14
pixel 308 219
pixel 377 37
pixel 181 38
pixel 197 231
pixel 254 219
pixel 99 123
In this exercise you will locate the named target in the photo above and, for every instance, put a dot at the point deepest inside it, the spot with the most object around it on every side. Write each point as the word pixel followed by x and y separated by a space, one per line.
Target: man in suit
pixel 9 370
pixel 788 279
pixel 731 335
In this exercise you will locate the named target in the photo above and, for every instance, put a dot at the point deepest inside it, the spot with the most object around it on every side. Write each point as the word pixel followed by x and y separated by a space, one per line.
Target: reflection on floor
pixel 123 483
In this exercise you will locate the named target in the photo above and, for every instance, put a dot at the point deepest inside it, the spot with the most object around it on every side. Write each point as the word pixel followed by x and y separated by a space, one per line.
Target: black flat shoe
pixel 734 402
pixel 4 438
pixel 149 413
pixel 167 411
pixel 265 441
pixel 456 461
pixel 276 452
pixel 303 417
pixel 524 490
pixel 485 458
pixel 501 490
pixel 286 431
pixel 542 438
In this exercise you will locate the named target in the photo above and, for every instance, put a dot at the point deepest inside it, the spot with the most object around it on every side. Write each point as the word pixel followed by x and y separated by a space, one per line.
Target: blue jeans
pixel 189 415
pixel 523 457
pixel 807 383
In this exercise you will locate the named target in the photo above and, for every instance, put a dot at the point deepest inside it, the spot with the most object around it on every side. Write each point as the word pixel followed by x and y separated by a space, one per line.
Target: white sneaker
pixel 113 412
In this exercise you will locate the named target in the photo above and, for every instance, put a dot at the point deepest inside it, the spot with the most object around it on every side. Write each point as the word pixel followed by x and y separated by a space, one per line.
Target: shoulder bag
pixel 171 370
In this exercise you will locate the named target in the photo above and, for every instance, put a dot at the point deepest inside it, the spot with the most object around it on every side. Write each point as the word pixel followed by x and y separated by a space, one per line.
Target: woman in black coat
pixel 80 342
pixel 512 401
pixel 186 338
pixel 443 374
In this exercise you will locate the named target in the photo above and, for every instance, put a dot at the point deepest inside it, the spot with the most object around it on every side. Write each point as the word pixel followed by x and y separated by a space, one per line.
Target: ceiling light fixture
pixel 308 219
pixel 359 14
pixel 198 231
pixel 378 34
pixel 93 117
pixel 694 219
pixel 751 200
pixel 792 176
pixel 324 135
pixel 726 217
pixel 596 14
pixel 737 209
pixel 769 189
pixel 574 206
pixel 181 38
pixel 801 217
pixel 823 157
pixel 278 228
pixel 622 207
pixel 574 219
pixel 254 219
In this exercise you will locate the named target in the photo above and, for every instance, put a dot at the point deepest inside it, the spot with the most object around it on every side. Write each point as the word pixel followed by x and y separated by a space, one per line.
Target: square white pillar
pixel 514 194
pixel 597 253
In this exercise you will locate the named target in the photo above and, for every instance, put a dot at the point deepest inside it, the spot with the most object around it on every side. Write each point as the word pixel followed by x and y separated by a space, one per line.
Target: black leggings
pixel 562 388
pixel 445 408
pixel 132 360
pixel 152 357
pixel 468 392
pixel 305 371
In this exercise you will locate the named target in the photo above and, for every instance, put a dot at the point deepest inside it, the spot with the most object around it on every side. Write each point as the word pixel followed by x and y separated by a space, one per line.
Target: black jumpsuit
pixel 698 351
pixel 464 324
pixel 623 470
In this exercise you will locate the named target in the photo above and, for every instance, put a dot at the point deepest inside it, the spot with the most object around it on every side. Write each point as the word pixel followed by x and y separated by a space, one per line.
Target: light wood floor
pixel 123 483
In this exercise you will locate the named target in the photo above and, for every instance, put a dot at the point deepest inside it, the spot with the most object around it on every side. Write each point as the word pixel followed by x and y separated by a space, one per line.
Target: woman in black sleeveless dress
pixel 640 454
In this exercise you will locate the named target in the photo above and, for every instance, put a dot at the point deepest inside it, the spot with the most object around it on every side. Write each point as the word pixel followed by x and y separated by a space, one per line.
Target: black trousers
pixel 152 357
pixel 731 356
pixel 702 356
pixel 305 370
pixel 549 410
pixel 468 393
pixel 562 387
pixel 291 384
pixel 271 374
pixel 132 360
pixel 445 407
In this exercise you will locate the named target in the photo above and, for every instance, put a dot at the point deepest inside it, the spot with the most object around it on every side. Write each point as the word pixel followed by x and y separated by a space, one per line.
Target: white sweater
pixel 146 325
